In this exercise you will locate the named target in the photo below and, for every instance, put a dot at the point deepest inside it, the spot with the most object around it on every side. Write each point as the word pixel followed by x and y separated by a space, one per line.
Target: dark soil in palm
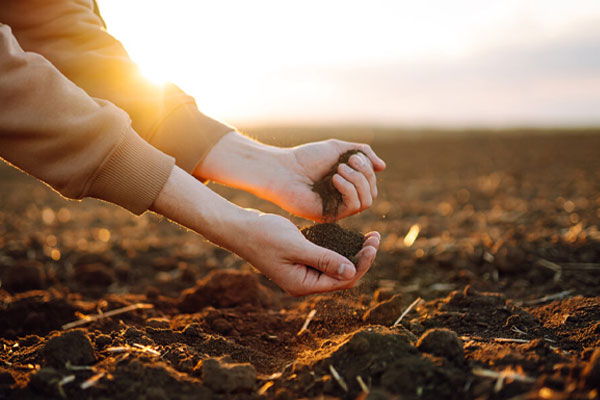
pixel 336 238
pixel 324 187
pixel 507 263
pixel 331 235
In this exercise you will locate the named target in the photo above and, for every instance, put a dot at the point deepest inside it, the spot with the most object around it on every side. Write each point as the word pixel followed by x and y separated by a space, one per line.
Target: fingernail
pixel 346 168
pixel 347 271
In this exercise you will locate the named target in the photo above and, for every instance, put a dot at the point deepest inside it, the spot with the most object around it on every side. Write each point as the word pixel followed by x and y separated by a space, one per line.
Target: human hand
pixel 278 249
pixel 355 180
pixel 271 243
pixel 285 176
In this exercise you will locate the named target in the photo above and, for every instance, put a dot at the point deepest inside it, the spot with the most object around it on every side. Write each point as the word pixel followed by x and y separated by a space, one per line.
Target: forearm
pixel 240 162
pixel 188 202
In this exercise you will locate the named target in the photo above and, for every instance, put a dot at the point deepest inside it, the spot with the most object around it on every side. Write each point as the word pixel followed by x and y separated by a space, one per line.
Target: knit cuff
pixel 133 174
pixel 188 135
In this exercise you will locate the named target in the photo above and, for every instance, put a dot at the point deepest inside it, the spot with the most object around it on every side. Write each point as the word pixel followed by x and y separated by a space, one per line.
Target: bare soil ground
pixel 506 262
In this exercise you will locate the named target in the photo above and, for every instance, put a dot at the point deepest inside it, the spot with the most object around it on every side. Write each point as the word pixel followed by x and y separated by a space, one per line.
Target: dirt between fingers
pixel 506 262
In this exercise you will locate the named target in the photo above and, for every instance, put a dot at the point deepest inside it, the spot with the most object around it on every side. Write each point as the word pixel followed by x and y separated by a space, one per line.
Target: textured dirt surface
pixel 506 263
pixel 334 237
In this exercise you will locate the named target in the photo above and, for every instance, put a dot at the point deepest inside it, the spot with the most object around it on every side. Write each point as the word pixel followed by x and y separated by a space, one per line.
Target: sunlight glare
pixel 269 59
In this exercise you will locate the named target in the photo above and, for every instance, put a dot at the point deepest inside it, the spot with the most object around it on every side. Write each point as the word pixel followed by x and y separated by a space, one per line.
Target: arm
pixel 271 243
pixel 73 39
pixel 78 145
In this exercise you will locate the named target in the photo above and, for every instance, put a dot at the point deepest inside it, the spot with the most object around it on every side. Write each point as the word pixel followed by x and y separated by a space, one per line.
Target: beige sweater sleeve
pixel 81 146
pixel 73 38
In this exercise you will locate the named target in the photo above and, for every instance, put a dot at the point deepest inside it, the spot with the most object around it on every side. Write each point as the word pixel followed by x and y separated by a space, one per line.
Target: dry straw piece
pixel 90 318
pixel 410 307
pixel 502 376
pixel 309 318
pixel 136 348
pixel 338 378
pixel 92 381
pixel 362 384
pixel 263 389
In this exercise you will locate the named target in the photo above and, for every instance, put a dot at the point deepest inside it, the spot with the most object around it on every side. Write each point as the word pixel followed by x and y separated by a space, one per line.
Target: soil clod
pixel 72 347
pixel 221 376
pixel 223 289
pixel 442 342
pixel 334 237
pixel 386 312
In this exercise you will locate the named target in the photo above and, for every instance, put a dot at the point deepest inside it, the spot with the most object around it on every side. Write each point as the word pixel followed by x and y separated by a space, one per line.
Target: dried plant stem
pixel 410 307
pixel 501 376
pixel 136 348
pixel 550 297
pixel 263 389
pixel 362 384
pixel 309 318
pixel 338 378
pixel 551 266
pixel 511 340
pixel 95 317
pixel 92 381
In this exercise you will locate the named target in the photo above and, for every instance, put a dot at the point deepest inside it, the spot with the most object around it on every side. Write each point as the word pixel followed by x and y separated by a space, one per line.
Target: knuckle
pixel 325 263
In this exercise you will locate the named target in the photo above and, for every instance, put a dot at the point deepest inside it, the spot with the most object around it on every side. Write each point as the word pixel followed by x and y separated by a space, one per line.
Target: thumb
pixel 329 262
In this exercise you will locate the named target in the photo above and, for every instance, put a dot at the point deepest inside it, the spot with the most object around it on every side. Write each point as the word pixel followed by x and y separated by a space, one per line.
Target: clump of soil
pixel 329 234
pixel 334 237
pixel 330 196
pixel 222 289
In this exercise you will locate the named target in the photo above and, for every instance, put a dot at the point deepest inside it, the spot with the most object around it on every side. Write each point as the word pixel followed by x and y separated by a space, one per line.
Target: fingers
pixel 328 262
pixel 378 163
pixel 315 282
pixel 362 164
pixel 357 185
pixel 366 255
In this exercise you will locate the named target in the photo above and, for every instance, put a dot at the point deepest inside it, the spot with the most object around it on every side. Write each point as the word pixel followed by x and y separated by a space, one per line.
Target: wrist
pixel 186 201
pixel 240 162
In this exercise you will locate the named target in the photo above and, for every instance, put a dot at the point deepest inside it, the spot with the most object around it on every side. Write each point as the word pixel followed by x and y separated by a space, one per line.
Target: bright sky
pixel 436 62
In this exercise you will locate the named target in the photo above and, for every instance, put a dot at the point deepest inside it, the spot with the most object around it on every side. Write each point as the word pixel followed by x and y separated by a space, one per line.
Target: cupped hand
pixel 278 249
pixel 308 163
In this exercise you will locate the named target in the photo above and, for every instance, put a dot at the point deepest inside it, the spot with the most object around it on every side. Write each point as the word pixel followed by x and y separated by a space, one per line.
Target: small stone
pixel 442 342
pixel 73 346
pixel 225 377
